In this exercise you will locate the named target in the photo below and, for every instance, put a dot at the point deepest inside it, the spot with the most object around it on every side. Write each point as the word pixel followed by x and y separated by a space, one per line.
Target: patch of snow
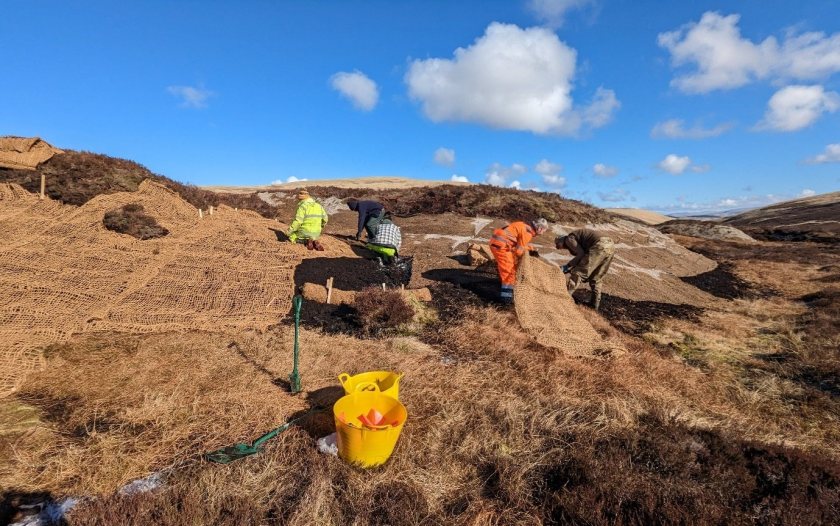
pixel 479 223
pixel 328 445
pixel 333 204
pixel 152 482
pixel 51 513
pixel 623 264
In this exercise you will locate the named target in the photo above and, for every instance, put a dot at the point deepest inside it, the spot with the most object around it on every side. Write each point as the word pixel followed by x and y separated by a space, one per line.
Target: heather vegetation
pixel 131 219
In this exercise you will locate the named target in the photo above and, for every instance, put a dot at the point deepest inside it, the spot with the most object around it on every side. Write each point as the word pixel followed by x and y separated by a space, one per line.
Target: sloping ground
pixel 370 183
pixel 646 216
pixel 814 218
pixel 501 429
pixel 63 273
pixel 76 177
pixel 705 229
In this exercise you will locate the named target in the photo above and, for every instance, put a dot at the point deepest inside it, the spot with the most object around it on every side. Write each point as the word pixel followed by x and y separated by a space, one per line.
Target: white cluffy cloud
pixel 290 179
pixel 459 179
pixel 553 12
pixel 675 129
pixel 445 156
pixel 807 192
pixel 796 107
pixel 602 170
pixel 498 174
pixel 191 96
pixel 550 173
pixel 830 155
pixel 356 87
pixel 723 59
pixel 676 164
pixel 509 78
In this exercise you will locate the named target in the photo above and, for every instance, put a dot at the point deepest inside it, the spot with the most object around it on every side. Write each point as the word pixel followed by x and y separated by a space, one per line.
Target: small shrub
pixel 131 219
pixel 380 311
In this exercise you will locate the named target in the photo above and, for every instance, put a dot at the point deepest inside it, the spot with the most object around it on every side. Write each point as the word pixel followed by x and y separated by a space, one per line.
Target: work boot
pixel 318 246
pixel 595 300
pixel 310 245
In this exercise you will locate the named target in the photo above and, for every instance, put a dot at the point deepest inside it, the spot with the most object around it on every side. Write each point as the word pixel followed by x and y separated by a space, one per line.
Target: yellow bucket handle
pixel 365 386
pixel 343 377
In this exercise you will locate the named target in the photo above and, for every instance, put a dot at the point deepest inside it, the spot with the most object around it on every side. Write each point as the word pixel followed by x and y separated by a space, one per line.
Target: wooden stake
pixel 43 184
pixel 211 210
pixel 329 290
pixel 200 214
pixel 383 287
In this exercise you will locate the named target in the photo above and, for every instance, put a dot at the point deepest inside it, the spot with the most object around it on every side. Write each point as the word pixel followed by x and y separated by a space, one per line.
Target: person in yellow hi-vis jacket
pixel 310 218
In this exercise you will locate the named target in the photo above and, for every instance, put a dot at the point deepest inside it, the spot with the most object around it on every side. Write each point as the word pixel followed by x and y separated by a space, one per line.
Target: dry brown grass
pixel 501 431
pixel 697 422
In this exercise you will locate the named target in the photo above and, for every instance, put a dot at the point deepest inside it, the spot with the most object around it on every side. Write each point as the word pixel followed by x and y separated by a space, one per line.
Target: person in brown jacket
pixel 593 254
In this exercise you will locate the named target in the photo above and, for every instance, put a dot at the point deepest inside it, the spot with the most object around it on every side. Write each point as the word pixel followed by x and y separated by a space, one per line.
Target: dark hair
pixel 352 202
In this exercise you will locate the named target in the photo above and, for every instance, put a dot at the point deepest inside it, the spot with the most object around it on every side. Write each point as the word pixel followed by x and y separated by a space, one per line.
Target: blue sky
pixel 658 104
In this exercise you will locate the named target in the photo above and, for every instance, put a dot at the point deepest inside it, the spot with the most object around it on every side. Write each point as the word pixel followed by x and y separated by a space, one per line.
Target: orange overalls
pixel 508 244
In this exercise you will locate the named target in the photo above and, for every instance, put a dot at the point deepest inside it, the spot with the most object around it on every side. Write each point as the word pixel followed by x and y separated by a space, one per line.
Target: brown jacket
pixel 579 243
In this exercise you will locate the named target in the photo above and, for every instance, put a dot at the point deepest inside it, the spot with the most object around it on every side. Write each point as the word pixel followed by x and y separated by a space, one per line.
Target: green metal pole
pixel 294 378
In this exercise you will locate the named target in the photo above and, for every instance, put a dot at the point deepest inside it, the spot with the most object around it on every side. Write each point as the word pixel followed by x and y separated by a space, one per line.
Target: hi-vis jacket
pixel 516 237
pixel 310 218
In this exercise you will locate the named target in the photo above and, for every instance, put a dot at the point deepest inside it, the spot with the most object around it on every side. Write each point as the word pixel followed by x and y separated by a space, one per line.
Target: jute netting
pixel 63 273
pixel 25 153
pixel 547 312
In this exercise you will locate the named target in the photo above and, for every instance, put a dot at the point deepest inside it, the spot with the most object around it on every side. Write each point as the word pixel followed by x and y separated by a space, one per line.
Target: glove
pixel 566 269
pixel 358 237
pixel 533 253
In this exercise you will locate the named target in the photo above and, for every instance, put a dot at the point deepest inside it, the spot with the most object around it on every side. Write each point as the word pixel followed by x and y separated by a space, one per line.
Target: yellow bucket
pixel 367 446
pixel 385 382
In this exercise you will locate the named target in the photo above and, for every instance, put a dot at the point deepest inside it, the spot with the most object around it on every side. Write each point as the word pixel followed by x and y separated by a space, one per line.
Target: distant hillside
pixel 814 218
pixel 475 200
pixel 75 177
pixel 373 183
pixel 645 216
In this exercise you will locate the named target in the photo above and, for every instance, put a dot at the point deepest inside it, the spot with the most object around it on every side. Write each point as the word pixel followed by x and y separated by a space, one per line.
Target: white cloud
pixel 290 179
pixel 674 164
pixel 700 168
pixel 602 170
pixel 795 107
pixel 830 155
pixel 615 196
pixel 675 129
pixel 723 59
pixel 357 88
pixel 459 179
pixel 550 173
pixel 553 12
pixel 498 174
pixel 807 192
pixel 445 156
pixel 515 184
pixel 191 97
pixel 509 78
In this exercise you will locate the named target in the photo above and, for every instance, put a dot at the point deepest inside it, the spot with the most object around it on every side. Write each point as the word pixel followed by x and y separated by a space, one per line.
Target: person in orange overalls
pixel 508 245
